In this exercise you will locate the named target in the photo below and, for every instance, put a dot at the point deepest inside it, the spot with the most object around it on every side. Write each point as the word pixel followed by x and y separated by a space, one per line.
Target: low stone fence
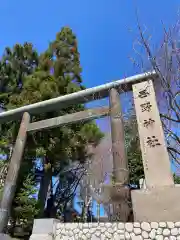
pixel 51 229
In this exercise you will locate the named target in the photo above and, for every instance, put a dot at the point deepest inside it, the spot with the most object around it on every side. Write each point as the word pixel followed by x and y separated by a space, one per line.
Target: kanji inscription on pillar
pixel 144 92
pixel 153 147
pixel 146 107
pixel 152 141
pixel 148 122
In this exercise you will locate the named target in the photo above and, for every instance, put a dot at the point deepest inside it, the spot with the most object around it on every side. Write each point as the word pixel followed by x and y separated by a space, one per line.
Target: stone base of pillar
pixel 118 196
pixel 158 204
pixel 115 192
pixel 44 229
pixel 6 237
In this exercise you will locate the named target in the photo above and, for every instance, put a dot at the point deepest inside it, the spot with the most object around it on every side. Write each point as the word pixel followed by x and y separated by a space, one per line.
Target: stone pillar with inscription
pixel 158 202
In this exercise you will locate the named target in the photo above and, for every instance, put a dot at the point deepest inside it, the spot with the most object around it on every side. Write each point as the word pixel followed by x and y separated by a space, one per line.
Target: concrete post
pixel 119 191
pixel 13 171
pixel 153 147
pixel 44 229
pixel 120 164
pixel 159 200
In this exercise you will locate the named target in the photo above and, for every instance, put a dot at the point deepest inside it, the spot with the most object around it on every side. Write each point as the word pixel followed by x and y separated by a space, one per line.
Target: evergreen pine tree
pixel 26 78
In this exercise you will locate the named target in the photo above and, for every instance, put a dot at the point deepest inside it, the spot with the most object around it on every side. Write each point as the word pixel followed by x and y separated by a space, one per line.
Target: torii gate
pixel 146 110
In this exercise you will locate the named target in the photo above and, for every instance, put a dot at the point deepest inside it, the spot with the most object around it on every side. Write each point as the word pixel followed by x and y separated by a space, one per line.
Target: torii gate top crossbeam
pixel 83 96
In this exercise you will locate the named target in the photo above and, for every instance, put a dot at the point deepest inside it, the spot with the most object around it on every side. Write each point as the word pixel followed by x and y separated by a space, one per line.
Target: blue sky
pixel 102 28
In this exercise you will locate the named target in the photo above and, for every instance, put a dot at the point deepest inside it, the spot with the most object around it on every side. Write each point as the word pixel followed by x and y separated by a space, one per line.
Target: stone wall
pixel 51 229
pixel 117 231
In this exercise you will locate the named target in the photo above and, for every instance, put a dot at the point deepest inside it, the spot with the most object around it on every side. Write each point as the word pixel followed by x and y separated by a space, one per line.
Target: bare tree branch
pixel 166 62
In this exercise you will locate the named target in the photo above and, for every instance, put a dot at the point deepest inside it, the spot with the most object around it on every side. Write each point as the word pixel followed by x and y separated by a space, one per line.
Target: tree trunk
pixel 45 184
pixel 51 210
